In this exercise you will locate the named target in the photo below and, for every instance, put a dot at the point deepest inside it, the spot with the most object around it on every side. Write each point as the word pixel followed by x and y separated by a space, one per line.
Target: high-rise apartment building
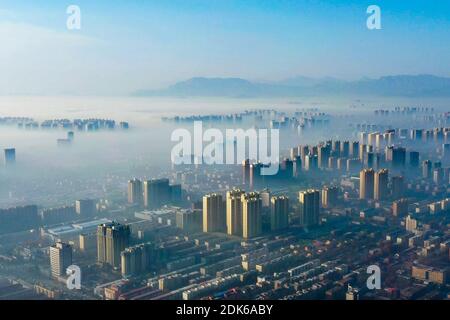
pixel 427 167
pixel 323 155
pixel 135 193
pixel 279 213
pixel 414 159
pixel 417 134
pixel 446 152
pixel 371 138
pixel 345 149
pixel 311 162
pixel 362 137
pixel 85 207
pixel 294 152
pixel 399 157
pixel 366 184
pixel 60 258
pixel 329 196
pixel 156 193
pixel 438 176
pixel 255 174
pixel 389 154
pixel 136 260
pixel 286 169
pixel 398 187
pixel 246 172
pixel 362 152
pixel 400 207
pixel 88 242
pixel 112 239
pixel 189 220
pixel 251 215
pixel 410 224
pixel 297 165
pixel 175 194
pixel 354 149
pixel 19 218
pixel 214 213
pixel 304 151
pixel 336 148
pixel 234 212
pixel 370 159
pixel 265 197
pixel 381 190
pixel 309 207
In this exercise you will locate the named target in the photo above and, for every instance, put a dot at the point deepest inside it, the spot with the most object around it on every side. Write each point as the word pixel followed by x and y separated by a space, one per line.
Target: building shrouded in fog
pixel 85 207
pixel 135 193
pixel 414 158
pixel 156 193
pixel 112 239
pixel 246 172
pixel 400 207
pixel 398 187
pixel 427 168
pixel 10 156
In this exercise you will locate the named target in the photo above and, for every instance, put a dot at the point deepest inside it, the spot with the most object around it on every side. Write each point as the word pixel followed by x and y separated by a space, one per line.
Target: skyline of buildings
pixel 218 232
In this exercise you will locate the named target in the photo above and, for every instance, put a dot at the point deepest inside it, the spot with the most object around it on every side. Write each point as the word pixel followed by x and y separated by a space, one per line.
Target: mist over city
pixel 133 163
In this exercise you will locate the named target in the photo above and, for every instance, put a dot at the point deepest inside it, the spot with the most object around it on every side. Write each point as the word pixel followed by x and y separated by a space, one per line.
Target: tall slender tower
pixel 309 207
pixel 234 212
pixel 354 149
pixel 426 169
pixel 381 184
pixel 246 172
pixel 323 156
pixel 60 258
pixel 329 196
pixel 345 149
pixel 214 218
pixel 135 195
pixel 251 215
pixel 366 184
pixel 279 213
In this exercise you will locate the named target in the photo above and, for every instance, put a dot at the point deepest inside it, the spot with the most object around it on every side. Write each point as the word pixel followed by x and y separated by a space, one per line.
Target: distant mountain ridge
pixel 397 85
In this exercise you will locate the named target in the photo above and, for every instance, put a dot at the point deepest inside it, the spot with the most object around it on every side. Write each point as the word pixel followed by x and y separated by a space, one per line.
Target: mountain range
pixel 397 85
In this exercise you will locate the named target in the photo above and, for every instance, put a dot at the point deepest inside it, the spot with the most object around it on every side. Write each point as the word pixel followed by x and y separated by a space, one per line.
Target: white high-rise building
pixel 60 258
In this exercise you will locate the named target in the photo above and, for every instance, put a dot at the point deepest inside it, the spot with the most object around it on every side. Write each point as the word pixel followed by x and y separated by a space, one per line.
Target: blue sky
pixel 133 44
